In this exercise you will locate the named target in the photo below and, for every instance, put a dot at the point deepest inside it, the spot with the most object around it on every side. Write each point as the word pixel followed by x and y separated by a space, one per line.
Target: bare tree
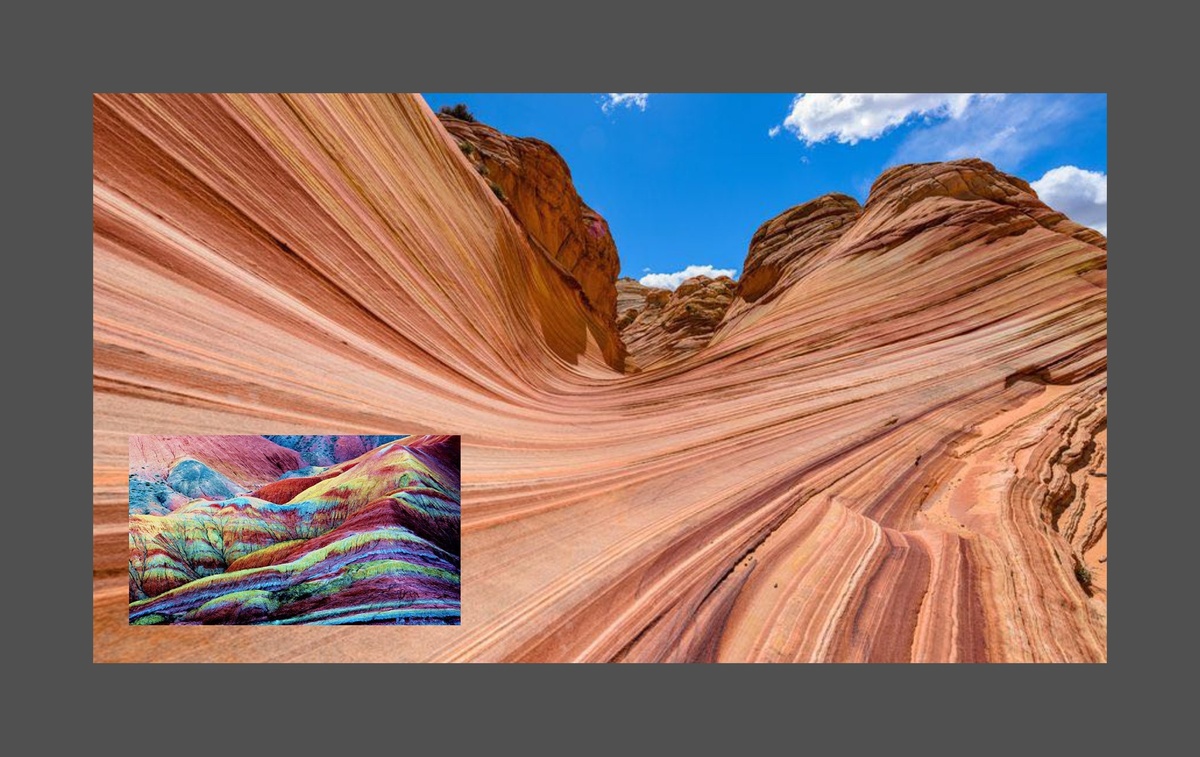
pixel 174 543
pixel 214 537
pixel 139 557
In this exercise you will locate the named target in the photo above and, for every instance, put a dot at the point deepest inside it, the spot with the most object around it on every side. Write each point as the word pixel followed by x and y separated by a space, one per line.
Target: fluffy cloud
pixel 1005 131
pixel 1081 195
pixel 673 280
pixel 627 99
pixel 773 132
pixel 850 117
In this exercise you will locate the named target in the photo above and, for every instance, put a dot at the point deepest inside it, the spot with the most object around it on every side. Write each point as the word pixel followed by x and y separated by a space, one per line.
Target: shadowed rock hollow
pixel 893 447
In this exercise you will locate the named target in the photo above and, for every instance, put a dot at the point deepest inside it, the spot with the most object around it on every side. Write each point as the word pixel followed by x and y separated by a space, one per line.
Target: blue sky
pixel 685 179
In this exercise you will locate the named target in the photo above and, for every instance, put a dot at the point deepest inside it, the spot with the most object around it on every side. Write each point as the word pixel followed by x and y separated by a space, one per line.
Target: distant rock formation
pixel 165 474
pixel 249 459
pixel 670 324
pixel 328 450
pixel 782 246
pixel 631 298
pixel 1006 203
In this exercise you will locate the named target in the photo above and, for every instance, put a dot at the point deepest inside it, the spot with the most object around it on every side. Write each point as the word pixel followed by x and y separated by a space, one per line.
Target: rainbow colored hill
pixel 245 530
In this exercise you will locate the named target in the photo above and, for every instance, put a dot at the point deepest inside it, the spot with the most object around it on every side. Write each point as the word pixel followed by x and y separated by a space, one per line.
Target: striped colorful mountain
pixel 371 539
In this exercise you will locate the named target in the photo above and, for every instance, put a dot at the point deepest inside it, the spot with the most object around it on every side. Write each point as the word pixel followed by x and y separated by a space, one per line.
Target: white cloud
pixel 773 132
pixel 612 100
pixel 1081 195
pixel 673 280
pixel 851 117
pixel 1004 131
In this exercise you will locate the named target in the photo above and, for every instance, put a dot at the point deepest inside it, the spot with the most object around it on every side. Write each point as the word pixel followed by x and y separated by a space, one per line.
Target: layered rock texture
pixel 893 447
pixel 631 298
pixel 534 183
pixel 670 325
pixel 373 539
pixel 781 248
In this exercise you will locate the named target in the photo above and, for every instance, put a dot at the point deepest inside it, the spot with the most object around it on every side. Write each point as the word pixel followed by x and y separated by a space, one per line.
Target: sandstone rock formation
pixel 534 182
pixel 631 298
pixel 782 248
pixel 899 455
pixel 674 324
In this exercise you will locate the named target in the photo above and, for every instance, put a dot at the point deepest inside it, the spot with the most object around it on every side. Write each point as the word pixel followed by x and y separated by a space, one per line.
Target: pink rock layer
pixel 898 455
pixel 247 459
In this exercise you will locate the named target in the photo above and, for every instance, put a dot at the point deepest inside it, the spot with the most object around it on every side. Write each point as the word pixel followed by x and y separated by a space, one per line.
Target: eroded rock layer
pixel 372 540
pixel 898 456
pixel 534 182
pixel 631 298
pixel 783 248
pixel 673 324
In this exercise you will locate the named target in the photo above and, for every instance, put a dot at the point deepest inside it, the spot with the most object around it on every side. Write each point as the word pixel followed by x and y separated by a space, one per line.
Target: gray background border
pixel 60 59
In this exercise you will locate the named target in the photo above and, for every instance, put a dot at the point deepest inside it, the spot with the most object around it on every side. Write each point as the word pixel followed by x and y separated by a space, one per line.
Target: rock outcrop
pixel 631 298
pixel 1005 203
pixel 534 183
pixel 674 324
pixel 899 455
pixel 783 247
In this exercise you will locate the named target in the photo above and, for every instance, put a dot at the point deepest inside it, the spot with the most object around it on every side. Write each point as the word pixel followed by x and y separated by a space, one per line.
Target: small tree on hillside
pixel 459 111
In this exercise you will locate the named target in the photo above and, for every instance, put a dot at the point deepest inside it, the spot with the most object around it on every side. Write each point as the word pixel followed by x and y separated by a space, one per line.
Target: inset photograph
pixel 294 529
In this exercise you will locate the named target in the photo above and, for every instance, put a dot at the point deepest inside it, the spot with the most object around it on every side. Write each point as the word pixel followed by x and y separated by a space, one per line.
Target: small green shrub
pixel 1083 575
pixel 459 111
pixel 496 189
